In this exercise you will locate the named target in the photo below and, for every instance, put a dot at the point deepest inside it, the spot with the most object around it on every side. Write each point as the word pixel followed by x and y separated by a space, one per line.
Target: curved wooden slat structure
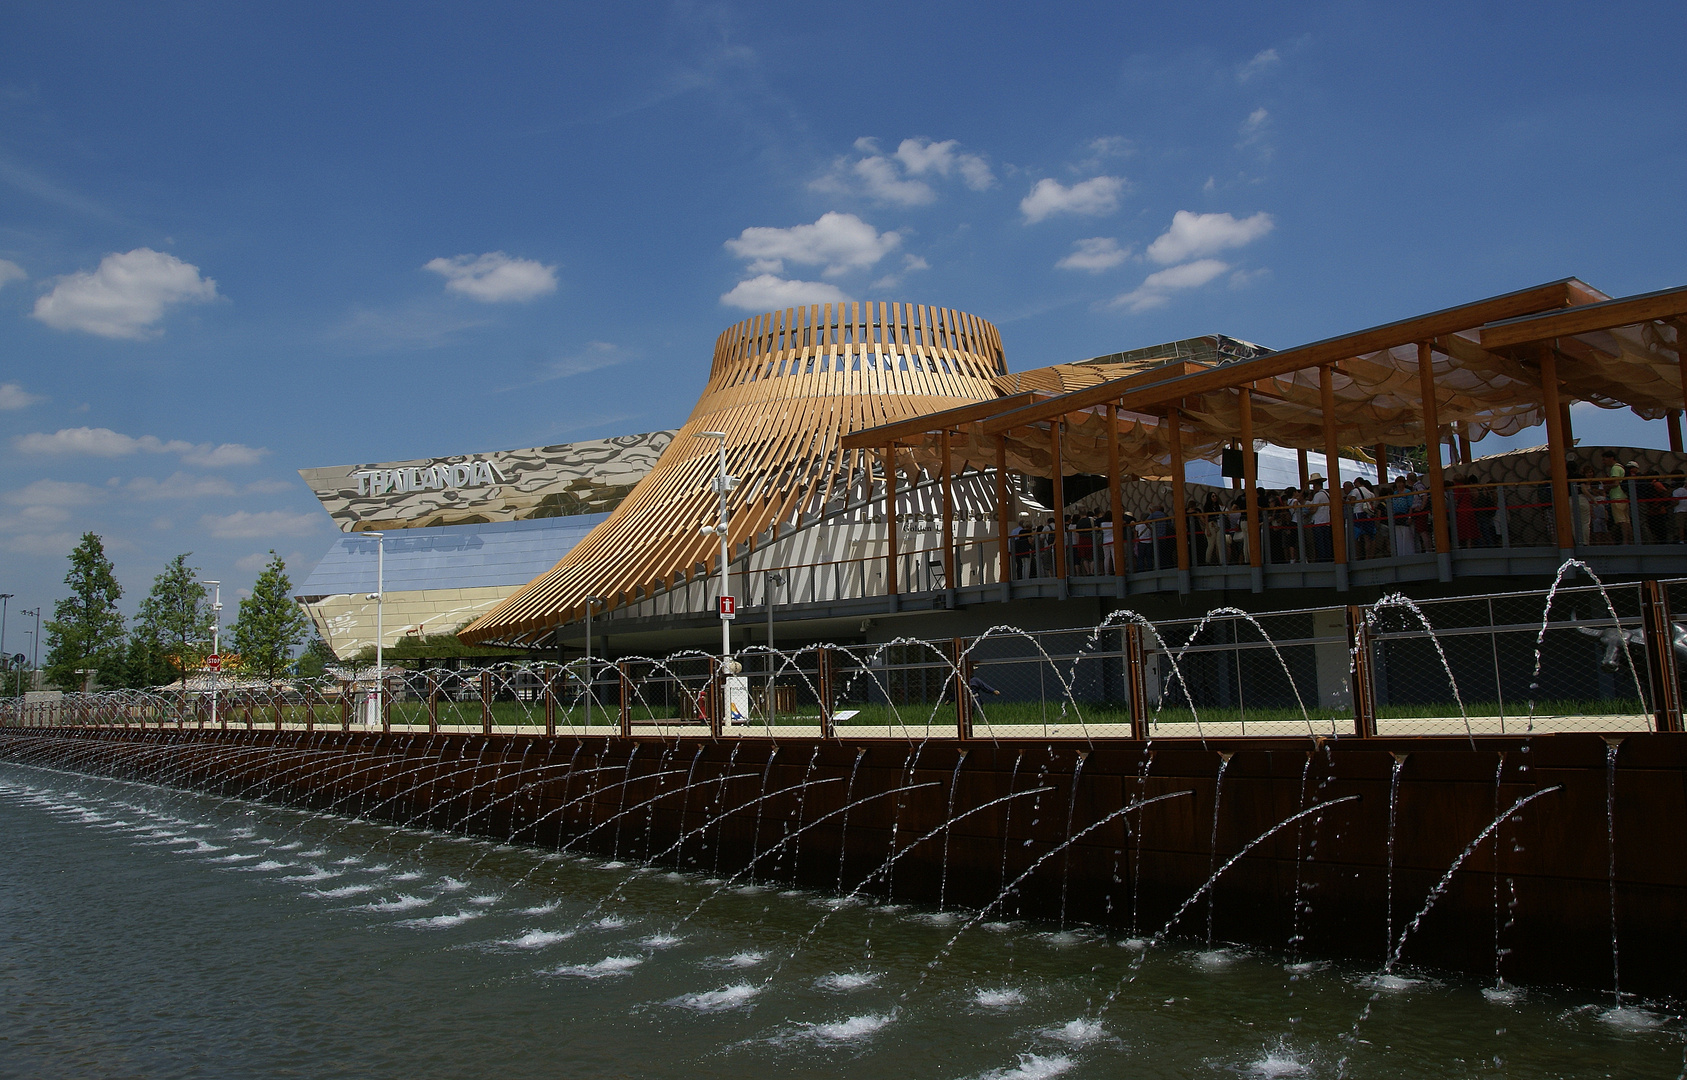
pixel 785 387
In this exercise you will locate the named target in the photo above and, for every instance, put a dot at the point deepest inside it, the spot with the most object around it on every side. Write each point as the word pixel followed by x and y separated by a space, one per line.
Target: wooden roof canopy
pixel 1485 365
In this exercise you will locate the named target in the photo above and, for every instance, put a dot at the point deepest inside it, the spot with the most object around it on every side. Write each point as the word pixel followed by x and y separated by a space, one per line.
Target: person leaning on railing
pixel 1400 506
pixel 1617 498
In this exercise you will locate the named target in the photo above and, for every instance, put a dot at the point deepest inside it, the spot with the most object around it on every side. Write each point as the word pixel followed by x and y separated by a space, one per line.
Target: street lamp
pixel 723 484
pixel 774 580
pixel 374 715
pixel 30 634
pixel 34 644
pixel 591 601
pixel 4 597
pixel 216 645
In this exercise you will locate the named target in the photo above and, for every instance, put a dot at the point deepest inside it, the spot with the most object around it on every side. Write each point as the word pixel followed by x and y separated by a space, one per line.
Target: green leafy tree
pixel 270 625
pixel 145 664
pixel 173 626
pixel 314 661
pixel 86 630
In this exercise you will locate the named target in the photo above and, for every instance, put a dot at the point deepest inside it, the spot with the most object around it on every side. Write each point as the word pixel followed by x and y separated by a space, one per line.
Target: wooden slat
pixel 1665 304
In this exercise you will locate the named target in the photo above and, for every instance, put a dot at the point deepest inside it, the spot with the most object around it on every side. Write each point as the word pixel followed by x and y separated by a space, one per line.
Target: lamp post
pixel 4 597
pixel 30 634
pixel 216 644
pixel 374 714
pixel 723 484
pixel 34 644
pixel 591 602
pixel 774 580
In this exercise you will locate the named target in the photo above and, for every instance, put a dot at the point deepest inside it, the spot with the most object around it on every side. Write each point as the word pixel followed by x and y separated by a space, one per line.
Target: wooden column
pixel 949 581
pixel 1380 453
pixel 1004 515
pixel 1058 469
pixel 1305 473
pixel 1332 465
pixel 433 703
pixel 1432 452
pixel 1180 503
pixel 1250 479
pixel 1569 428
pixel 890 518
pixel 1116 500
pixel 1557 447
pixel 1681 368
pixel 1464 442
pixel 550 703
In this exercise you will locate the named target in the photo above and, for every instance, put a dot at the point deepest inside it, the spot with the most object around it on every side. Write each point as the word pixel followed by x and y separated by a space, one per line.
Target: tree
pixel 173 626
pixel 314 661
pixel 145 664
pixel 270 625
pixel 86 630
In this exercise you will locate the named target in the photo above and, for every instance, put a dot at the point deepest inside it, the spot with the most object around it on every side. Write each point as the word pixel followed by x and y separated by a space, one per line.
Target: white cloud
pixel 1255 120
pixel 224 455
pixel 125 296
pixel 1152 293
pixel 765 292
pixel 839 242
pixel 1095 254
pixel 10 271
pixel 54 493
pixel 1096 197
pixel 49 544
pixel 1262 62
pixel 245 524
pixel 922 156
pixel 14 397
pixel 910 263
pixel 1193 235
pixel 495 278
pixel 892 178
pixel 180 486
pixel 882 182
pixel 104 442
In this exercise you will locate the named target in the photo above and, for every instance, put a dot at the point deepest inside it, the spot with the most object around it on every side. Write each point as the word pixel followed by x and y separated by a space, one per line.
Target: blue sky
pixel 242 239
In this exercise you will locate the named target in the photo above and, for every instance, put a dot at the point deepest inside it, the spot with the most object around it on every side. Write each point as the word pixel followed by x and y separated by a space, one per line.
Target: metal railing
pixel 1582 658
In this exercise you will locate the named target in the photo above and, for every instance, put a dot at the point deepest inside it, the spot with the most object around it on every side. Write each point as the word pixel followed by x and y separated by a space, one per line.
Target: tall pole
pixel 35 645
pixel 4 659
pixel 773 581
pixel 373 719
pixel 723 484
pixel 216 650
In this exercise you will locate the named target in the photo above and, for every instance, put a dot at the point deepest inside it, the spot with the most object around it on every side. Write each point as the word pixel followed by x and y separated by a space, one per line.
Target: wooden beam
pixel 1557 448
pixel 1116 502
pixel 1180 504
pixel 1380 454
pixel 888 434
pixel 1059 500
pixel 1673 419
pixel 1004 513
pixel 1332 462
pixel 949 581
pixel 1665 304
pixel 1405 332
pixel 889 459
pixel 1432 450
pixel 1250 482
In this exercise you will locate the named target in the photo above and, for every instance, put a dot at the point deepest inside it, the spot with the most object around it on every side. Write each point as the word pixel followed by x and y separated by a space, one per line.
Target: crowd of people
pixel 1384 519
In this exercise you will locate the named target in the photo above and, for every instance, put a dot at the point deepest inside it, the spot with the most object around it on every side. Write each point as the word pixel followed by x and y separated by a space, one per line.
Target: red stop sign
pixel 213 662
pixel 729 607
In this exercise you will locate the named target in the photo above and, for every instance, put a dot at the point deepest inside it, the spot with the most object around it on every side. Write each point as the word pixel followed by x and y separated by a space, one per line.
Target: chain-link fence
pixel 1589 658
